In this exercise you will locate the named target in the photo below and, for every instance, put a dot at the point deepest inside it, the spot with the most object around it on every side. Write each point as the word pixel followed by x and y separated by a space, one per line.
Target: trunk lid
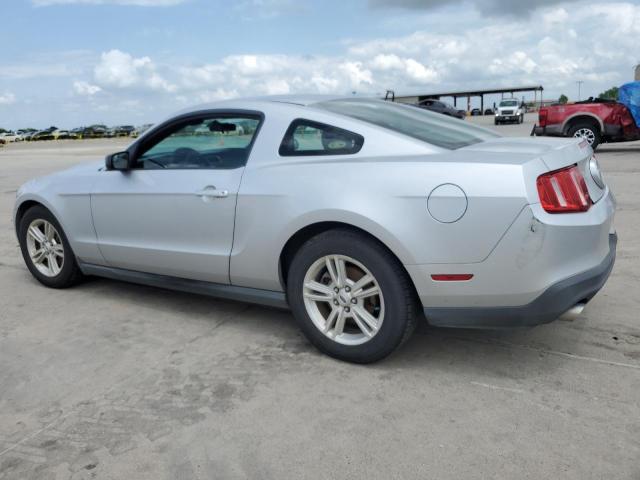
pixel 555 153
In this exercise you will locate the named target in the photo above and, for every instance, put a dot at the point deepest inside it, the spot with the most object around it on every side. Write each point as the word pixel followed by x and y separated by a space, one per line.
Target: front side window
pixel 306 137
pixel 214 142
pixel 418 123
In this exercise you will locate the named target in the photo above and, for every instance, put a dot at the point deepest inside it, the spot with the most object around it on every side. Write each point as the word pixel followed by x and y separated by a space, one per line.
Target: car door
pixel 172 212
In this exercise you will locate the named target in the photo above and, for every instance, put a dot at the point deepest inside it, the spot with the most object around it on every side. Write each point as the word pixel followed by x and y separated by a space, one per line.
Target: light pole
pixel 579 82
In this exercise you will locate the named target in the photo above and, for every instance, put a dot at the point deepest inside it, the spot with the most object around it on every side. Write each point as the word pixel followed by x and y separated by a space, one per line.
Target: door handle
pixel 212 192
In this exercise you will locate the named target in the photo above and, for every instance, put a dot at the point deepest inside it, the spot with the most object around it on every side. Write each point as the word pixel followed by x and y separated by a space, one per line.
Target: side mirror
pixel 118 161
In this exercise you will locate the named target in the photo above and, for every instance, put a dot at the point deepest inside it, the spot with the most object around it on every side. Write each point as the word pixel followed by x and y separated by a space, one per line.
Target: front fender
pixel 67 195
pixel 30 192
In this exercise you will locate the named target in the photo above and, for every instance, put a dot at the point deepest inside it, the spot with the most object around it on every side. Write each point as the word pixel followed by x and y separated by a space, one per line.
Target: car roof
pixel 248 103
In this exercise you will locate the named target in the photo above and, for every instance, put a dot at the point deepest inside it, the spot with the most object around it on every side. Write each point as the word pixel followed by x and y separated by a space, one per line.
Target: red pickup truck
pixel 597 120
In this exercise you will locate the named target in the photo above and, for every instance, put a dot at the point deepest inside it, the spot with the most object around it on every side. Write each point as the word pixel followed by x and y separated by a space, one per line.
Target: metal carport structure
pixel 472 93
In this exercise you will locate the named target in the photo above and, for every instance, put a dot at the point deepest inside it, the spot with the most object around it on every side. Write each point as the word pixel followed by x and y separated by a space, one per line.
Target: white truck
pixel 509 110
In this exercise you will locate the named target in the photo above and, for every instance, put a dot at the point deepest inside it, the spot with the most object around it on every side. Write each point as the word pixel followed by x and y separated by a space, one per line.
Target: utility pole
pixel 579 82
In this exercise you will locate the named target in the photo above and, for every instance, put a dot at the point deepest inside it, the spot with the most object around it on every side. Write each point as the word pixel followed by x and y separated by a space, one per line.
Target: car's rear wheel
pixel 587 130
pixel 46 250
pixel 350 296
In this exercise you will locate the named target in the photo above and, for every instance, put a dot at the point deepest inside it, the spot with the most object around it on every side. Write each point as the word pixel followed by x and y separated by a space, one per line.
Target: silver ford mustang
pixel 359 215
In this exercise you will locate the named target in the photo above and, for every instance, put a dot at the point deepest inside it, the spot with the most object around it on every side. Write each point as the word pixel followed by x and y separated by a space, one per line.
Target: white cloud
pixel 121 70
pixel 7 98
pixel 275 74
pixel 139 3
pixel 356 73
pixel 85 88
pixel 554 17
pixel 553 48
pixel 413 69
pixel 212 95
pixel 523 51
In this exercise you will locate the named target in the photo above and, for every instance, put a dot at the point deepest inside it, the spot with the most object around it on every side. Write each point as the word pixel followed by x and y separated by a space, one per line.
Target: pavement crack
pixel 26 438
pixel 558 353
pixel 218 325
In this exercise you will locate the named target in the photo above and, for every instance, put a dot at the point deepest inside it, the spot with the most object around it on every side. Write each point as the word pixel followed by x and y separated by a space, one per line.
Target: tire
pixel 67 272
pixel 495 121
pixel 395 307
pixel 588 130
pixel 521 118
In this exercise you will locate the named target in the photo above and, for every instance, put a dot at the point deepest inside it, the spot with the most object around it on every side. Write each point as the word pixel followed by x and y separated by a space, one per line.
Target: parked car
pixel 488 111
pixel 110 132
pixel 9 137
pixel 77 132
pixel 61 135
pixel 95 131
pixel 140 130
pixel 42 135
pixel 124 130
pixel 442 107
pixel 509 110
pixel 28 135
pixel 358 214
pixel 596 120
pixel 476 112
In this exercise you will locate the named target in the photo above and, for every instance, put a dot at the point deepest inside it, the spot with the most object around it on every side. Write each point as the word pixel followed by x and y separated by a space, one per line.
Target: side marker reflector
pixel 451 277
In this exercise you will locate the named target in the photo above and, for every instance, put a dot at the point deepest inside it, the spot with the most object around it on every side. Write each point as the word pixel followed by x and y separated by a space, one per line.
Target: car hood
pixel 83 167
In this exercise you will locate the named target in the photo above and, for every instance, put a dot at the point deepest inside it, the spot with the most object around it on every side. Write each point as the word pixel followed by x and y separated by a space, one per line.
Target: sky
pixel 71 63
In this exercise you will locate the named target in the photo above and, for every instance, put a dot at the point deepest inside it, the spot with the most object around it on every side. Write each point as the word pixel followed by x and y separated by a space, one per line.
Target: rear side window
pixel 306 137
pixel 422 124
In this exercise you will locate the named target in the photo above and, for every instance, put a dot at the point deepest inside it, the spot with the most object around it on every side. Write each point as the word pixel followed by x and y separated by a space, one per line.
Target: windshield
pixel 415 122
pixel 508 103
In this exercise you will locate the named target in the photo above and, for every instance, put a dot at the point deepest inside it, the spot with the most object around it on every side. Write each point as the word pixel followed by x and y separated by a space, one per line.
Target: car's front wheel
pixel 350 296
pixel 46 250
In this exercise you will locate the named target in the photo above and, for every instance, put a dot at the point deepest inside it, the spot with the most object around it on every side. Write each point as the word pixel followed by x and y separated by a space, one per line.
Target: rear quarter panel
pixel 386 197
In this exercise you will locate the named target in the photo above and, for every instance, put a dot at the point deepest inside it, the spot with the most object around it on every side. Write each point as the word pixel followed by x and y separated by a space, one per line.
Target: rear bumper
pixel 551 304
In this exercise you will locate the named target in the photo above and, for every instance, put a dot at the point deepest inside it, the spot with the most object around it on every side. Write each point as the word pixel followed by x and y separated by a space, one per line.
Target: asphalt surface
pixel 116 381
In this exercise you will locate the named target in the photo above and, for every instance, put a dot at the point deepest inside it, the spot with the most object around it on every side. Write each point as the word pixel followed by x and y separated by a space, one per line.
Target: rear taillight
pixel 542 117
pixel 564 191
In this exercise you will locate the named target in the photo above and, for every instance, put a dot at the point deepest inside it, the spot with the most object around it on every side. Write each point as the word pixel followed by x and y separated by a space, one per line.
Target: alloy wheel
pixel 585 133
pixel 343 299
pixel 45 247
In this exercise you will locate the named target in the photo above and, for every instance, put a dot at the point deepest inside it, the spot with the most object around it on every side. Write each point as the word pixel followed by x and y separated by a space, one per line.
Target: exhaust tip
pixel 574 312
